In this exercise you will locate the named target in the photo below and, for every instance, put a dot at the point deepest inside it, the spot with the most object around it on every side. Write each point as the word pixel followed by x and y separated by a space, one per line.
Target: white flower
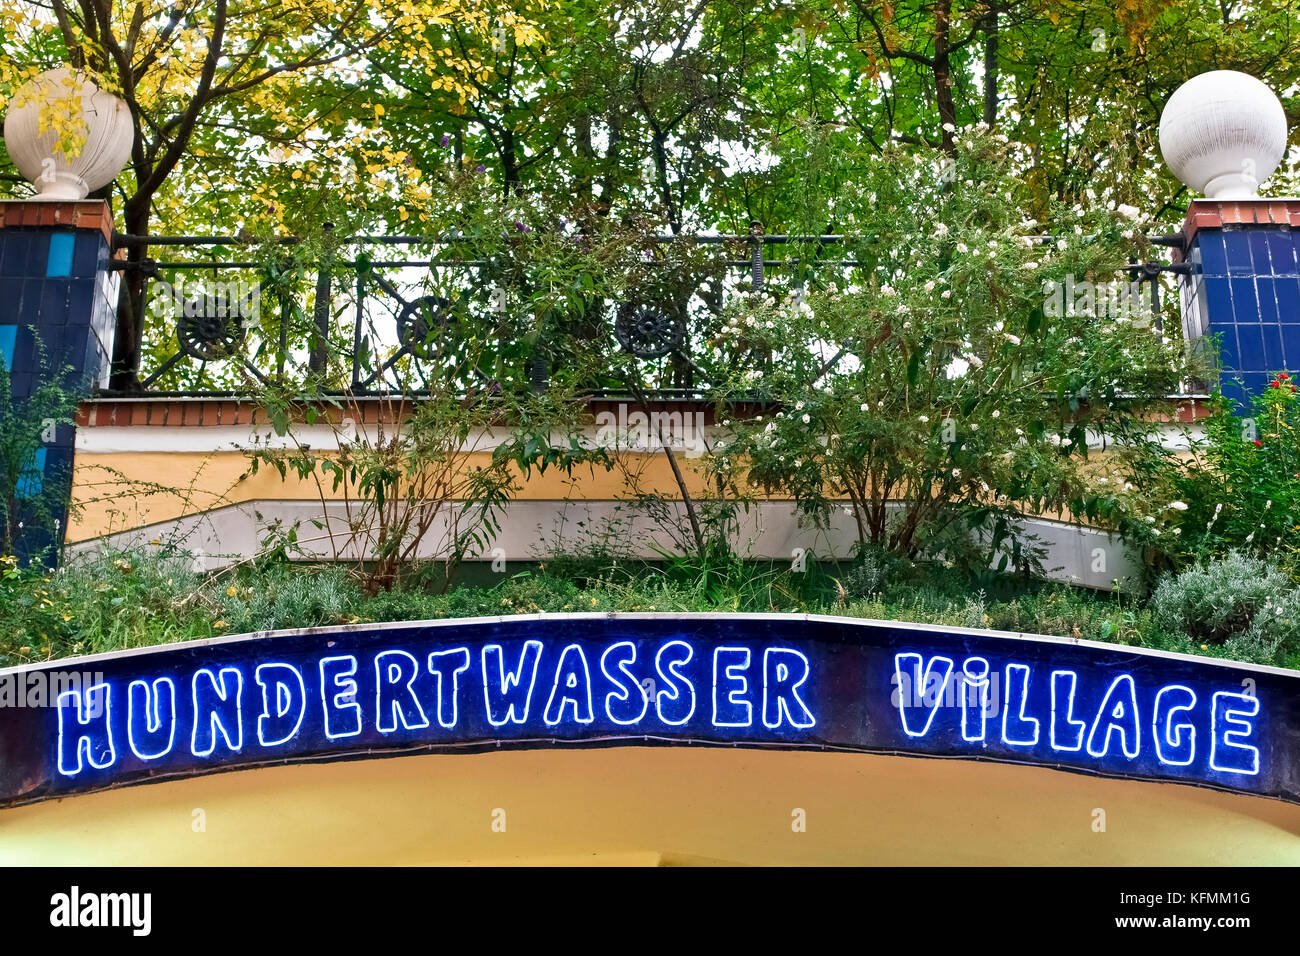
pixel 1031 265
pixel 888 290
pixel 1128 212
pixel 862 407
pixel 929 286
pixel 941 229
pixel 925 419
pixel 949 128
pixel 996 413
pixel 945 294
pixel 806 419
pixel 961 247
pixel 798 406
pixel 1178 505
pixel 956 472
pixel 1013 339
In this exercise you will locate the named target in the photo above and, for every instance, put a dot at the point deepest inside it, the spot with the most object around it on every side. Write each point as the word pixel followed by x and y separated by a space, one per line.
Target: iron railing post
pixel 756 254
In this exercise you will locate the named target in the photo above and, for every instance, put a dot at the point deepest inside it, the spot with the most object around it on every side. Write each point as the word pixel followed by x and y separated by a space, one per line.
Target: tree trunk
pixel 943 72
pixel 991 68
pixel 127 341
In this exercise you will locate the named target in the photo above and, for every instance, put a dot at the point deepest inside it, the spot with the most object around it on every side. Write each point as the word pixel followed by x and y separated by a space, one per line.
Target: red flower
pixel 1282 376
pixel 1258 443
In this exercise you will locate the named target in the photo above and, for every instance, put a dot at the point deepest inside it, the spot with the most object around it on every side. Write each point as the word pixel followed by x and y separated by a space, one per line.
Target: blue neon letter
pixel 508 695
pixel 448 666
pixel 217 709
pixel 338 693
pixel 284 703
pixel 784 672
pixel 151 717
pixel 730 709
pixel 395 700
pixel 918 687
pixel 675 704
pixel 572 685
pixel 1118 713
pixel 1230 728
pixel 85 719
pixel 1175 743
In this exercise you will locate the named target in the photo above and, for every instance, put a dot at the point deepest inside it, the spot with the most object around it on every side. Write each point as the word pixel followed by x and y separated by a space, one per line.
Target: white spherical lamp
pixel 66 135
pixel 1223 133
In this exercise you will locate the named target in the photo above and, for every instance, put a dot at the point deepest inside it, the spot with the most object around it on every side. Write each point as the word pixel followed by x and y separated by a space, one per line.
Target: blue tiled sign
pixel 736 680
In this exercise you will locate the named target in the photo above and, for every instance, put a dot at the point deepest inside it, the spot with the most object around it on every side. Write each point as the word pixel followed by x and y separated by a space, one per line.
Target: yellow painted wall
pixel 118 491
pixel 647 805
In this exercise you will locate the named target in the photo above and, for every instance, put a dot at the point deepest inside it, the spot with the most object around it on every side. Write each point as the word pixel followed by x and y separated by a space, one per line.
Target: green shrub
pixel 283 596
pixel 1242 603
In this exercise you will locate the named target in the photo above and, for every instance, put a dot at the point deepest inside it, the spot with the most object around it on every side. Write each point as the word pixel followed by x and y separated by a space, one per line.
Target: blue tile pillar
pixel 58 302
pixel 1244 286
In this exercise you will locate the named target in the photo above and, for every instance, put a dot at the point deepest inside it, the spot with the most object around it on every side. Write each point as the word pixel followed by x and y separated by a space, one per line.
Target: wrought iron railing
pixel 365 318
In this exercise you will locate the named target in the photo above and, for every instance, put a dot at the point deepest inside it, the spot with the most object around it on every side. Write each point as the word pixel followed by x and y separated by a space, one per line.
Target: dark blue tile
pixel 38 254
pixel 1214 261
pixel 29 309
pixel 1237 248
pixel 1251 357
pixel 1257 239
pixel 1256 381
pixel 1282 252
pixel 54 302
pixel 14 247
pixel 85 260
pixel 1266 291
pixel 1274 358
pixel 1287 291
pixel 1228 349
pixel 1245 307
pixel 24 351
pixel 11 294
pixel 58 459
pixel 1218 302
pixel 1291 345
pixel 91 357
pixel 81 301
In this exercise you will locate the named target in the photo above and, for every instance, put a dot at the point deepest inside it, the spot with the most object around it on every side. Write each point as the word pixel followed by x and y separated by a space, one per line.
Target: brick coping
pixel 52 214
pixel 215 412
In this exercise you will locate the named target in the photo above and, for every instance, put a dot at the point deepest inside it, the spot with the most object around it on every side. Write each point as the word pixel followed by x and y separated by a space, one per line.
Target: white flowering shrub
pixel 1239 601
pixel 932 390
